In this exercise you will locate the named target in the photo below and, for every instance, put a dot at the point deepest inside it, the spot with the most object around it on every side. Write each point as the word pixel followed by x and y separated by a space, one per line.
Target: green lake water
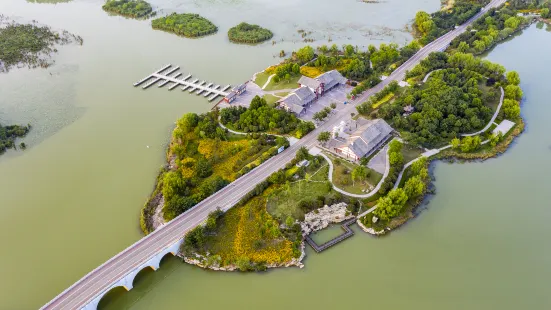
pixel 72 200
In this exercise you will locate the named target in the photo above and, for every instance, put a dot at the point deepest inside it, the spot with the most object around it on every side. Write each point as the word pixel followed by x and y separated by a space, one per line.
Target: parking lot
pixel 336 95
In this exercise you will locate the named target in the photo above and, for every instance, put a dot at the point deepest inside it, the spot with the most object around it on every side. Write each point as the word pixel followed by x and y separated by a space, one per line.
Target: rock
pixel 374 219
pixel 322 217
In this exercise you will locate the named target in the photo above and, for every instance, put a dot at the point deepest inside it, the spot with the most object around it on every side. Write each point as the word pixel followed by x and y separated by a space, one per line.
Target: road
pixel 101 278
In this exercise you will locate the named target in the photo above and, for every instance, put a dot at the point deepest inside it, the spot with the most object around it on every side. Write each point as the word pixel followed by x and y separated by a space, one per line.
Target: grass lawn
pixel 283 202
pixel 270 99
pixel 342 177
pixel 261 78
pixel 292 83
pixel 411 152
pixel 283 94
pixel 486 89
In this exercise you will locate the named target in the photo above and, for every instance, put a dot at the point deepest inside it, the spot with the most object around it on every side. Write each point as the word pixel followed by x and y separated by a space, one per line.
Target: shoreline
pixel 449 156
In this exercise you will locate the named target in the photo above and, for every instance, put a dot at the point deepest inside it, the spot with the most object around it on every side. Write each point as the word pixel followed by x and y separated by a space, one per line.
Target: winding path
pixel 99 281
pixel 371 193
pixel 491 121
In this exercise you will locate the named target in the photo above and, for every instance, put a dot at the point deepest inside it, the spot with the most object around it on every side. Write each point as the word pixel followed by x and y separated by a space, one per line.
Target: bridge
pixel 148 252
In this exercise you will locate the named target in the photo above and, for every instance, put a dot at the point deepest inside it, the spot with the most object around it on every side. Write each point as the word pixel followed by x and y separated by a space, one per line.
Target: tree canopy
pixel 187 25
pixel 131 8
pixel 247 33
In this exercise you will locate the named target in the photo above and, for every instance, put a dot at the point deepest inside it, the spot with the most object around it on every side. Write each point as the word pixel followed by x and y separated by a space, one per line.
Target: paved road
pixel 101 278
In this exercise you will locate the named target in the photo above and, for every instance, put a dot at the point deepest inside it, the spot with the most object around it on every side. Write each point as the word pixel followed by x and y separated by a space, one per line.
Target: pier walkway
pixel 163 77
pixel 347 233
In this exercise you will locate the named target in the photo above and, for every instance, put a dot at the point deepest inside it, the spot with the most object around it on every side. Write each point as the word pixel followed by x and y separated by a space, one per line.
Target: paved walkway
pixel 268 81
pixel 491 121
pixel 363 196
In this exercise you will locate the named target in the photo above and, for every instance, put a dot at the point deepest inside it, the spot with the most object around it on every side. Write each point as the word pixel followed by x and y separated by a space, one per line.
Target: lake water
pixel 72 200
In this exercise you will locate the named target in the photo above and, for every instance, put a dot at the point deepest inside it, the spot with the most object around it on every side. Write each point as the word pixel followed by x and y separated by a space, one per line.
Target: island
pixel 250 34
pixel 129 8
pixel 187 25
pixel 373 167
pixel 8 135
pixel 29 44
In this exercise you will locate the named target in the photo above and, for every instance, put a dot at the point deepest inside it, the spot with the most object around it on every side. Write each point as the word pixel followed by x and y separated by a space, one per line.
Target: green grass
pixel 283 94
pixel 261 78
pixel 285 203
pixel 292 83
pixel 271 99
pixel 411 152
pixel 342 177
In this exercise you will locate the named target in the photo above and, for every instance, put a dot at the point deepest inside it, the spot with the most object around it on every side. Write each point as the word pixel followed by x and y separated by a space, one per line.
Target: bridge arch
pixel 127 281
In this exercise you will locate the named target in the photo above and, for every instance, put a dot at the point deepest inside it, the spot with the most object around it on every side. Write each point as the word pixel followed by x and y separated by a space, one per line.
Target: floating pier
pixel 163 77
pixel 347 233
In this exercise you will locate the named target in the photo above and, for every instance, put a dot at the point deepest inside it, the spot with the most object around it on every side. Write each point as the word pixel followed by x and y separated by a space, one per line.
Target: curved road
pixel 102 278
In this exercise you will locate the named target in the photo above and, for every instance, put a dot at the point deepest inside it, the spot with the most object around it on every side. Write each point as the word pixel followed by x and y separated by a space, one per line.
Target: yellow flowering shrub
pixel 249 231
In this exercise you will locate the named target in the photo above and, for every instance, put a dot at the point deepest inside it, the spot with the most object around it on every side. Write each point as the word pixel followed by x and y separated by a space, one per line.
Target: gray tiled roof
pixel 310 82
pixel 366 138
pixel 331 78
pixel 305 94
pixel 293 102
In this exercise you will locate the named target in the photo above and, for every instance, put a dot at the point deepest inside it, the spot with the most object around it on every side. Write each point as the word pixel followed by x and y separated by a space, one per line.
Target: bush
pixel 131 8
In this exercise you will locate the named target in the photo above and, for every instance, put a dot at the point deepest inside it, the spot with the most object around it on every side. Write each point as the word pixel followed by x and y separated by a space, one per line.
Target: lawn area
pixel 261 78
pixel 248 231
pixel 284 202
pixel 411 152
pixel 270 99
pixel 485 90
pixel 342 177
pixel 292 83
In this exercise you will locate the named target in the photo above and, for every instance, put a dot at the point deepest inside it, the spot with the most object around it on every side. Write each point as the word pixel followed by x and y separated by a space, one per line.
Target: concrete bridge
pixel 150 250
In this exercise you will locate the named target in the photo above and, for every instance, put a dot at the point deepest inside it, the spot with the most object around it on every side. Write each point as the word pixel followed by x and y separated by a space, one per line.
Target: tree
pixel 302 154
pixel 545 13
pixel 418 165
pixel 423 22
pixel 395 146
pixel 511 108
pixel 512 22
pixel 513 92
pixel 391 205
pixel 396 158
pixel 289 221
pixel 360 173
pixel 287 77
pixel 324 136
pixel 456 143
pixel 513 78
pixel 333 105
pixel 305 54
pixel 463 47
pixel 414 187
pixel 466 144
pixel 188 122
pixel 203 168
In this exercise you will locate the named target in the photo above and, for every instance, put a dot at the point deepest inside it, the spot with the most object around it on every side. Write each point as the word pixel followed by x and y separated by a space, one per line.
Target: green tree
pixel 463 47
pixel 391 205
pixel 513 78
pixel 305 54
pixel 188 122
pixel 456 143
pixel 359 173
pixel 414 187
pixel 545 13
pixel 324 137
pixel 289 221
pixel 511 108
pixel 396 158
pixel 513 92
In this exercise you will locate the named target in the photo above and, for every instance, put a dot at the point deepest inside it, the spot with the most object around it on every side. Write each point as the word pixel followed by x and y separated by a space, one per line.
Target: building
pixel 298 100
pixel 236 91
pixel 357 139
pixel 323 83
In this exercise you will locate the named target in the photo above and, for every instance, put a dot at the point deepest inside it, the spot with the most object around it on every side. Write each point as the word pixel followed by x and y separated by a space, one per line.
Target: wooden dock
pixel 163 76
pixel 348 232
